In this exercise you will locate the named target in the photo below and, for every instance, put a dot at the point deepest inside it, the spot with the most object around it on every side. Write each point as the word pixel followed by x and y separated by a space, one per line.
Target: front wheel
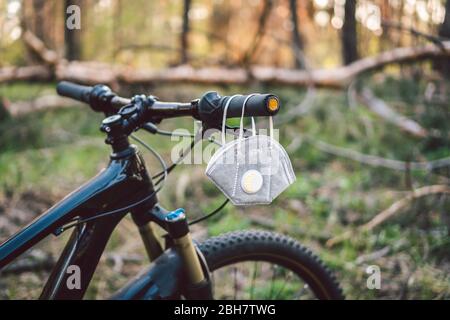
pixel 266 265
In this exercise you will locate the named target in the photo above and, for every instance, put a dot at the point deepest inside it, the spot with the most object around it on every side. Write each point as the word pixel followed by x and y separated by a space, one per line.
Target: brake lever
pixel 247 132
pixel 150 127
pixel 208 135
pixel 208 126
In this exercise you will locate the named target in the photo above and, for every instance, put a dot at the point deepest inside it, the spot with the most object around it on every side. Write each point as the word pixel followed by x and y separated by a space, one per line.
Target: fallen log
pixel 19 108
pixel 90 72
pixel 94 72
pixel 38 72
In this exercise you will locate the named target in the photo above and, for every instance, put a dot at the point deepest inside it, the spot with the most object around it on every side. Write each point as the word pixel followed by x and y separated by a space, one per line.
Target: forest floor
pixel 45 155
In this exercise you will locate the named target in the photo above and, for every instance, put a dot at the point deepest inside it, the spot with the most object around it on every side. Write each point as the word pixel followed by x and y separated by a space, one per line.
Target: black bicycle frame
pixel 95 209
pixel 123 182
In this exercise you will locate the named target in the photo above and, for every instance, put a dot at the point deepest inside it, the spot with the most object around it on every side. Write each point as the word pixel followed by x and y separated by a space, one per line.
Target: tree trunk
pixel 253 48
pixel 38 25
pixel 72 37
pixel 444 32
pixel 348 35
pixel 386 15
pixel 117 28
pixel 219 24
pixel 185 33
pixel 32 18
pixel 297 43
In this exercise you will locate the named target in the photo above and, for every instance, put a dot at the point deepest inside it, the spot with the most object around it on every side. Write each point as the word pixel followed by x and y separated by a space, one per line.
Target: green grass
pixel 55 151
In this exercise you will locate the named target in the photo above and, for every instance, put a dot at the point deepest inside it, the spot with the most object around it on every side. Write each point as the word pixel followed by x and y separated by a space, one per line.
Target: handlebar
pixel 209 108
pixel 74 91
pixel 99 97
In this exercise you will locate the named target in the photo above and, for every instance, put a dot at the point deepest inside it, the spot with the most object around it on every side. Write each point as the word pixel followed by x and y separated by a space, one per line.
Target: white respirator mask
pixel 250 170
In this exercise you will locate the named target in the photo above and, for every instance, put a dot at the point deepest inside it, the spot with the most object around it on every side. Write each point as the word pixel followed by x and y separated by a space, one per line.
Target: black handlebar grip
pixel 211 106
pixel 257 105
pixel 74 91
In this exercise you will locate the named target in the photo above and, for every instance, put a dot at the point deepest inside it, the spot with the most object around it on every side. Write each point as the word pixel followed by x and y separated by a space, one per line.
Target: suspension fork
pixel 175 223
pixel 178 230
pixel 142 218
pixel 149 237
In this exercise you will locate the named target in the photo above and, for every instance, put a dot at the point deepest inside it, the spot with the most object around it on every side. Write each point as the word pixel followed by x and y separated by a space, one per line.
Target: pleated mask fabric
pixel 250 170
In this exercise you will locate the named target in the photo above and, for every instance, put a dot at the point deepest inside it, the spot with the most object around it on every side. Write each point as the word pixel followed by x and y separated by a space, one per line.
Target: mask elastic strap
pixel 241 127
pixel 253 127
pixel 271 127
pixel 224 120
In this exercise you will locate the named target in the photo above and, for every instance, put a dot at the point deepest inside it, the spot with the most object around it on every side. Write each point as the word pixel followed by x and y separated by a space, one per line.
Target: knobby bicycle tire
pixel 253 245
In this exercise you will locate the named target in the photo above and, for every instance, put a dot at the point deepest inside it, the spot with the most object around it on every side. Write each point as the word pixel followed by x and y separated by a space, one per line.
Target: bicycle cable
pixel 165 172
pixel 101 215
pixel 131 206
pixel 209 215
pixel 173 165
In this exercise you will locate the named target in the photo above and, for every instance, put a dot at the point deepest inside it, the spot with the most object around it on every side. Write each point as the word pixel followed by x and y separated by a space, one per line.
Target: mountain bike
pixel 238 265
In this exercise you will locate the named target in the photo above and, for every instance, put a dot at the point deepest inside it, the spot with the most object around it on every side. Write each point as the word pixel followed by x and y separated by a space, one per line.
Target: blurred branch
pixel 383 110
pixel 432 38
pixel 38 46
pixel 373 255
pixel 390 212
pixel 95 72
pixel 41 103
pixel 401 204
pixel 376 161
